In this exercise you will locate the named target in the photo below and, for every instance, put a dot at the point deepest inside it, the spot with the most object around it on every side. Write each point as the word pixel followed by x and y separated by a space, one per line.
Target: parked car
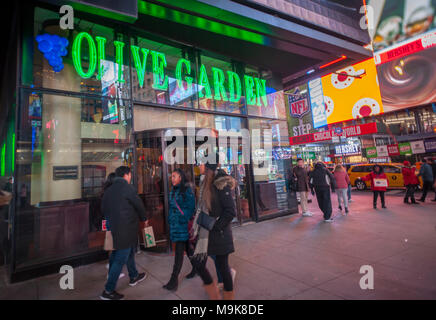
pixel 392 171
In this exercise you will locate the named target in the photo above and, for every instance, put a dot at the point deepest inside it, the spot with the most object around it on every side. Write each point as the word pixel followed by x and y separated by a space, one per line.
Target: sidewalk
pixel 292 258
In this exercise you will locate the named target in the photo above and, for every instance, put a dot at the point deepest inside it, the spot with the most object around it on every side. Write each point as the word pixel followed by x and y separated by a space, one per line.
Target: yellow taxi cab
pixel 392 171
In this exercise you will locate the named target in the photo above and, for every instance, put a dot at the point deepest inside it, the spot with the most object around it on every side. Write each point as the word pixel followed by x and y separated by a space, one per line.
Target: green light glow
pixel 261 91
pixel 3 161
pixel 13 153
pixel 139 65
pixel 204 82
pixel 234 80
pixel 218 80
pixel 160 80
pixel 101 55
pixel 249 90
pixel 188 80
pixel 119 59
pixel 207 23
pixel 76 52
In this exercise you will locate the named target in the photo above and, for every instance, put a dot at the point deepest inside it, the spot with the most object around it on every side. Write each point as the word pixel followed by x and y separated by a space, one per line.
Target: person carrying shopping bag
pixel 123 210
pixel 342 182
pixel 379 184
pixel 302 186
pixel 212 228
pixel 181 210
pixel 410 181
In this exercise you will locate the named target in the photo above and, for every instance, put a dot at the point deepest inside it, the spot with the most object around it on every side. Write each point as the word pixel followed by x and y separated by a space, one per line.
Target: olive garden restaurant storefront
pixel 107 94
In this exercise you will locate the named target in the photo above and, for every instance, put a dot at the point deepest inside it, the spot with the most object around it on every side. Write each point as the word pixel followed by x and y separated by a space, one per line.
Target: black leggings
pixel 222 262
pixel 382 197
pixel 181 247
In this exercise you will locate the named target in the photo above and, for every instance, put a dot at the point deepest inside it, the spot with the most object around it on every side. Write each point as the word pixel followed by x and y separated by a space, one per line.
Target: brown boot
pixel 229 295
pixel 212 291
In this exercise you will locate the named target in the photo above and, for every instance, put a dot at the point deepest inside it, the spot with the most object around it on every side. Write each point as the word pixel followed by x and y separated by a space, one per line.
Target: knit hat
pixel 406 163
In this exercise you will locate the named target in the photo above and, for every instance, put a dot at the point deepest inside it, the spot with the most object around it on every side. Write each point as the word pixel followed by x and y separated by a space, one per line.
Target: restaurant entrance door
pixel 153 181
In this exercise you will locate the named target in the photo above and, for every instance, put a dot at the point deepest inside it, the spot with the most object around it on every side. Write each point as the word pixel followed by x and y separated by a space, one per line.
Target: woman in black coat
pixel 216 200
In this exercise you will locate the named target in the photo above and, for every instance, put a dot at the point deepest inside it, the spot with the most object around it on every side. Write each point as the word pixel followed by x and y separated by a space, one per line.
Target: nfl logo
pixel 298 105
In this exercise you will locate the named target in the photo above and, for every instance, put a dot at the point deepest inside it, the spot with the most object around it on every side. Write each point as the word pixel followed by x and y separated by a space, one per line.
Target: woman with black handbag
pixel 181 210
pixel 212 227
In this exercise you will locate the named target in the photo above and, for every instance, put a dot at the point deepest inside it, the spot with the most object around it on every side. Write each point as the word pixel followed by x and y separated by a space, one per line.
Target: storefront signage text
pixel 255 88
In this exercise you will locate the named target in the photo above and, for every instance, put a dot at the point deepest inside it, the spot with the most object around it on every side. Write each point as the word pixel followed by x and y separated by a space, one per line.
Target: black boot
pixel 191 274
pixel 414 201
pixel 172 284
pixel 383 206
pixel 375 205
pixel 406 200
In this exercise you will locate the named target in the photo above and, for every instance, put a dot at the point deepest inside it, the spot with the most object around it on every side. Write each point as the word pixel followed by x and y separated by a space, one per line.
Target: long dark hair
pixel 209 177
pixel 182 184
pixel 109 181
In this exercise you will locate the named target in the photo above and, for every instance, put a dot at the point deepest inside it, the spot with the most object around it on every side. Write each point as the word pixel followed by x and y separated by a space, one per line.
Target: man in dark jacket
pixel 433 168
pixel 123 210
pixel 426 173
pixel 321 179
pixel 302 186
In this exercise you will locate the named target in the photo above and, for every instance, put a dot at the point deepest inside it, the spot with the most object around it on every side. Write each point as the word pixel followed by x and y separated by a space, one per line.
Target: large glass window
pixel 220 85
pixel 272 167
pixel 66 148
pixel 90 58
pixel 163 74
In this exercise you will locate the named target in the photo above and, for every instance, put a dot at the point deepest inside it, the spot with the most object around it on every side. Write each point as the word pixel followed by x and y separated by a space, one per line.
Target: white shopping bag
pixel 148 237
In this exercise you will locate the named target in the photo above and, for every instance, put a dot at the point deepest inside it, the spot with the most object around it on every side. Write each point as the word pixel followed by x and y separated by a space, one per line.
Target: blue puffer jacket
pixel 179 223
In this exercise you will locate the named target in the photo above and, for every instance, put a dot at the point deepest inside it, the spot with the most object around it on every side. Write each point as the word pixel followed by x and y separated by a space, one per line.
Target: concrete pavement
pixel 292 258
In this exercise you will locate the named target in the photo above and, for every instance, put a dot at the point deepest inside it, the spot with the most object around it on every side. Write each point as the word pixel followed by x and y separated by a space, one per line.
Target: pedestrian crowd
pixel 200 227
pixel 321 182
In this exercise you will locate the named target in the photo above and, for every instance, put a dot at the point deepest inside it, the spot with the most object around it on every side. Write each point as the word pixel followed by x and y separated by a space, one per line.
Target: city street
pixel 292 258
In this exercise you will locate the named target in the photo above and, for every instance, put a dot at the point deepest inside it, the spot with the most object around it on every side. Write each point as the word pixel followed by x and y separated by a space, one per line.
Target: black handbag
pixel 205 221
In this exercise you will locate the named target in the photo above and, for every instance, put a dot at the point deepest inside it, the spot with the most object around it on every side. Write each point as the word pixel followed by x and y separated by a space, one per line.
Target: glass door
pixel 151 183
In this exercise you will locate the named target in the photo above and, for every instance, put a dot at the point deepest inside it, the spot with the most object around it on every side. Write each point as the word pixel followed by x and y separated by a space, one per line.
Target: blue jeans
pixel 349 192
pixel 117 260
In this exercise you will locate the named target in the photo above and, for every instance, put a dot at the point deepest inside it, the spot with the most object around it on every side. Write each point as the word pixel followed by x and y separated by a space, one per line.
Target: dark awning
pixel 287 48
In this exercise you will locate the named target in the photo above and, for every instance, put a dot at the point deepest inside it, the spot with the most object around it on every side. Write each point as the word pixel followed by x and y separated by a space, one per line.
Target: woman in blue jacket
pixel 181 210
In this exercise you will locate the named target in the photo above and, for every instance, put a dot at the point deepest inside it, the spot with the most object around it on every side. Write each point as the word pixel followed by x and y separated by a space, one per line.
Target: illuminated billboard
pixel 352 93
pixel 404 42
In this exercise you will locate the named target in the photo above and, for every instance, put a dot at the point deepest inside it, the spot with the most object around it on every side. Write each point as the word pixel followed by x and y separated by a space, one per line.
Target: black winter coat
pixel 223 208
pixel 321 177
pixel 123 209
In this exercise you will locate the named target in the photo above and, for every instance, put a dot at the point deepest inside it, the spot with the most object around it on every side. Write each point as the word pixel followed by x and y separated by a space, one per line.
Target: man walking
pixel 123 210
pixel 426 173
pixel 321 179
pixel 433 167
pixel 302 186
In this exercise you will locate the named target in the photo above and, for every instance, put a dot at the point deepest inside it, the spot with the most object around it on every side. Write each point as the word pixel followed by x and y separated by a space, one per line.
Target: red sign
pixel 393 150
pixel 361 129
pixel 103 225
pixel 299 108
pixel 426 41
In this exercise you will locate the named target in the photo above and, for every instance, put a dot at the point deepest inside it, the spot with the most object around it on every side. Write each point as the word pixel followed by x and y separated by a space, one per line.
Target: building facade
pixel 118 87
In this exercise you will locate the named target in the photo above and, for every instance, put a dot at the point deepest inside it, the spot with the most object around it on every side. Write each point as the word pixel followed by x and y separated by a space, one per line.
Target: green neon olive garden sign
pixel 255 88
